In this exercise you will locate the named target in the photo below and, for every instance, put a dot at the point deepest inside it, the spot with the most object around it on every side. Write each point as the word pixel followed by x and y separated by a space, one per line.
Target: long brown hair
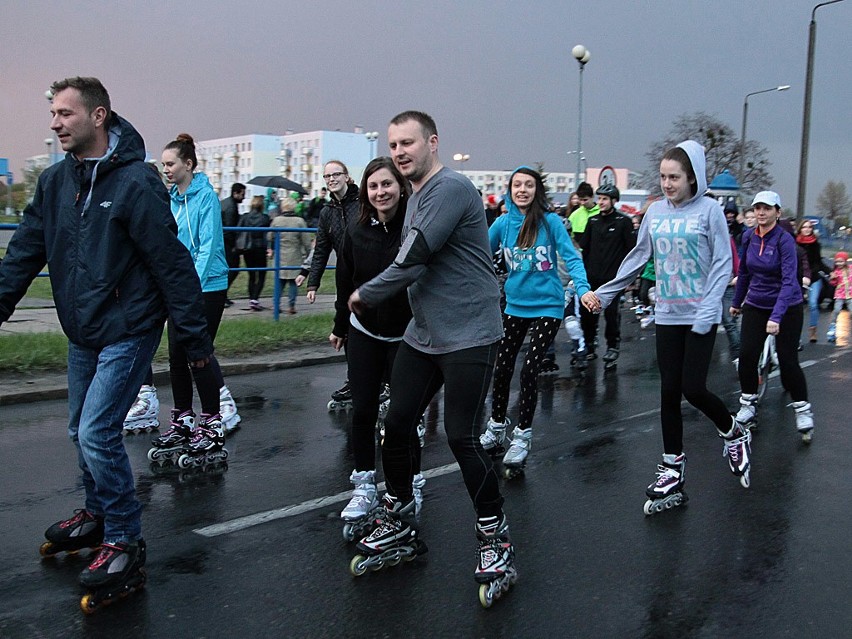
pixel 367 210
pixel 536 211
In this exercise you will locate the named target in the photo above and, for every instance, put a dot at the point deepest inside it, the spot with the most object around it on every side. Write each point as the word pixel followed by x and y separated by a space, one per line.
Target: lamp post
pixel 741 174
pixel 461 158
pixel 806 113
pixel 49 96
pixel 582 55
pixel 372 138
pixel 48 142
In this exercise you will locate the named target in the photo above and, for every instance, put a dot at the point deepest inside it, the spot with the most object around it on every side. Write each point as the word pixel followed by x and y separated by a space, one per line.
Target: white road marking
pixel 241 523
pixel 248 521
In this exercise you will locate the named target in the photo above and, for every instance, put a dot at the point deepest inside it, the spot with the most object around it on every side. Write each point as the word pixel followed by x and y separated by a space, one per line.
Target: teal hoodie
pixel 692 256
pixel 199 220
pixel 533 287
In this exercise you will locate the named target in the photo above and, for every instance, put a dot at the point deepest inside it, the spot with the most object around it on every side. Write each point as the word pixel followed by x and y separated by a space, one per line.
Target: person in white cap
pixel 770 300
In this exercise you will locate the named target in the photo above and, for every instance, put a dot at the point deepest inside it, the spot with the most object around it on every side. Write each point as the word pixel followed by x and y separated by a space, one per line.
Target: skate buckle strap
pixel 664 473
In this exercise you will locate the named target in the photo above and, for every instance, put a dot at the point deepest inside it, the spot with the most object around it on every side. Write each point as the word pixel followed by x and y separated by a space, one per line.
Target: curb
pixel 52 390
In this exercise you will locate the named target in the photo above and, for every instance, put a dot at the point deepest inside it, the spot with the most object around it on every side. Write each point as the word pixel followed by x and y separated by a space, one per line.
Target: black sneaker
pixel 114 563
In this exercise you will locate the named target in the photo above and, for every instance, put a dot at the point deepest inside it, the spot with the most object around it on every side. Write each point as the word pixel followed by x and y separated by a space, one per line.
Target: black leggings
pixel 612 332
pixel 417 377
pixel 255 258
pixel 208 379
pixel 752 337
pixel 542 331
pixel 683 358
pixel 370 365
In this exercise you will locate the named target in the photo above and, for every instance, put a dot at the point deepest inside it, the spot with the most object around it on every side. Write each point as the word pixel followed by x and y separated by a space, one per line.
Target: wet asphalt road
pixel 770 561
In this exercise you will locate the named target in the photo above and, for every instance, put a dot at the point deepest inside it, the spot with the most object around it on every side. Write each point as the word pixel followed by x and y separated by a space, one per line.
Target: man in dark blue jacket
pixel 100 220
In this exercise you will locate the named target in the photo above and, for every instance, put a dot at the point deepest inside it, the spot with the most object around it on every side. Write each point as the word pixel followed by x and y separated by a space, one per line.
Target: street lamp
pixel 582 55
pixel 49 96
pixel 741 174
pixel 372 137
pixel 461 158
pixel 806 113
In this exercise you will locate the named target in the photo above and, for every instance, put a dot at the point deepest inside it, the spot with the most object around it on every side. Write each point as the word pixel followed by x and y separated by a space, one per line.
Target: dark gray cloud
pixel 497 76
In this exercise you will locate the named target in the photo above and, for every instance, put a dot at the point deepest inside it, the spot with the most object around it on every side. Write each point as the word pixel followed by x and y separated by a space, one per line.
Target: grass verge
pixel 242 337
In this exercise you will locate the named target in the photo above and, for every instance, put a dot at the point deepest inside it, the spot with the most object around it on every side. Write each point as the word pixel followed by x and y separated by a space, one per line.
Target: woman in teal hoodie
pixel 531 239
pixel 199 220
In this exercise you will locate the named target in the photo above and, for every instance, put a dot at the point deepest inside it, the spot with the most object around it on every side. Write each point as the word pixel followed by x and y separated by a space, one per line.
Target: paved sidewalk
pixel 36 315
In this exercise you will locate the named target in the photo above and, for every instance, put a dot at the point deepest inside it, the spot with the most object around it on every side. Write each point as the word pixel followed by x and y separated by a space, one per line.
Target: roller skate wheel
pixel 87 603
pixel 332 405
pixel 348 532
pixel 47 549
pixel 649 507
pixel 152 455
pixel 358 565
pixel 185 461
pixel 393 561
pixel 486 598
pixel 745 480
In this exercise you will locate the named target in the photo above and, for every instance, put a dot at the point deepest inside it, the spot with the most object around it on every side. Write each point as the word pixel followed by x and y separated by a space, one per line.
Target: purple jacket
pixel 767 277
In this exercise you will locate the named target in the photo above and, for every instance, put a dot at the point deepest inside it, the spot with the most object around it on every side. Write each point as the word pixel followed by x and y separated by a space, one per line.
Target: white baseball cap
pixel 770 198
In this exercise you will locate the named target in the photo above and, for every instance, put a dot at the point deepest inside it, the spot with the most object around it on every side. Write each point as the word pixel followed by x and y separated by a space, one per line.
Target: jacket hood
pixel 125 145
pixel 695 152
pixel 199 182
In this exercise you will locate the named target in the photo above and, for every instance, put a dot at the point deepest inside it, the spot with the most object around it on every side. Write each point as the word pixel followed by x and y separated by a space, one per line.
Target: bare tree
pixel 833 202
pixel 721 148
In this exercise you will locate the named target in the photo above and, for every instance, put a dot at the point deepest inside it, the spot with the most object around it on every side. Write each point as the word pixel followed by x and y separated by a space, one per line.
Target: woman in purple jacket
pixel 770 300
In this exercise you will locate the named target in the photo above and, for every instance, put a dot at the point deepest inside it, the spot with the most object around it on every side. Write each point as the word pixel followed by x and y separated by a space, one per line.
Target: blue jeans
pixel 813 300
pixel 102 385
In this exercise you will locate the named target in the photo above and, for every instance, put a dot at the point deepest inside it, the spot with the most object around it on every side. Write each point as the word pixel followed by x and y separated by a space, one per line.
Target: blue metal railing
pixel 276 255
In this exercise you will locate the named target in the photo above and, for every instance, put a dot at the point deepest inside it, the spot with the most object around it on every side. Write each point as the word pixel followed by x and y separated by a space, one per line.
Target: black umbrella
pixel 278 182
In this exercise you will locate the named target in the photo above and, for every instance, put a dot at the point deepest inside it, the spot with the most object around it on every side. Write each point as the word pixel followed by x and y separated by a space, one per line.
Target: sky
pixel 498 77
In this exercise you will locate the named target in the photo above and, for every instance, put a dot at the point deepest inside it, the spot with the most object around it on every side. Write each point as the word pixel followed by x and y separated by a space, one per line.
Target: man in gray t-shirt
pixel 451 341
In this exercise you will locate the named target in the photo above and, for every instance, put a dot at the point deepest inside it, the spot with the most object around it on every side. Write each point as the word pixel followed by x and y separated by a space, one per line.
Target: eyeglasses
pixel 334 175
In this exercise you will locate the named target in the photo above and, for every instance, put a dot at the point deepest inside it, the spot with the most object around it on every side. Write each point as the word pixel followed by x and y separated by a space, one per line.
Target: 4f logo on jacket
pixel 106 204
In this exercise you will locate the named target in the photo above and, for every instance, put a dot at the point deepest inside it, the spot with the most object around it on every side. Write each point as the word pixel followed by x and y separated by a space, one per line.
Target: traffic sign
pixel 607 176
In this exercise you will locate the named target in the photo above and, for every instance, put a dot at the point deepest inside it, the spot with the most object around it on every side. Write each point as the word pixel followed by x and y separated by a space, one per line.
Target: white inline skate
pixel 667 491
pixel 168 447
pixel 493 438
pixel 228 410
pixel 515 459
pixel 144 415
pixel 358 515
pixel 495 570
pixel 747 414
pixel 394 539
pixel 737 449
pixel 804 420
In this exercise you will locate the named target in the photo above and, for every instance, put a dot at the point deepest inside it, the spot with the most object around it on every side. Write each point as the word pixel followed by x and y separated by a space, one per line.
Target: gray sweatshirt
pixel 692 256
pixel 445 262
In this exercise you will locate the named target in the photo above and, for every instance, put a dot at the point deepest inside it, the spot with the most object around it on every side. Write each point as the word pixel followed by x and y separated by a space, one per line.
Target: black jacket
pixel 607 241
pixel 253 239
pixel 106 232
pixel 333 219
pixel 230 217
pixel 367 250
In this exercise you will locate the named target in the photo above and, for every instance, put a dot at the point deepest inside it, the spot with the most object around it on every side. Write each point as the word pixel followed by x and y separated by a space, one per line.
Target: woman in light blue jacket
pixel 197 212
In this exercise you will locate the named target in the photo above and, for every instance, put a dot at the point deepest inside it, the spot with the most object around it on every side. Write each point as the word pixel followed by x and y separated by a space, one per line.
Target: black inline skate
pixel 207 446
pixel 667 491
pixel 495 570
pixel 83 530
pixel 394 539
pixel 610 358
pixel 341 399
pixel 170 445
pixel 116 572
pixel 737 450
